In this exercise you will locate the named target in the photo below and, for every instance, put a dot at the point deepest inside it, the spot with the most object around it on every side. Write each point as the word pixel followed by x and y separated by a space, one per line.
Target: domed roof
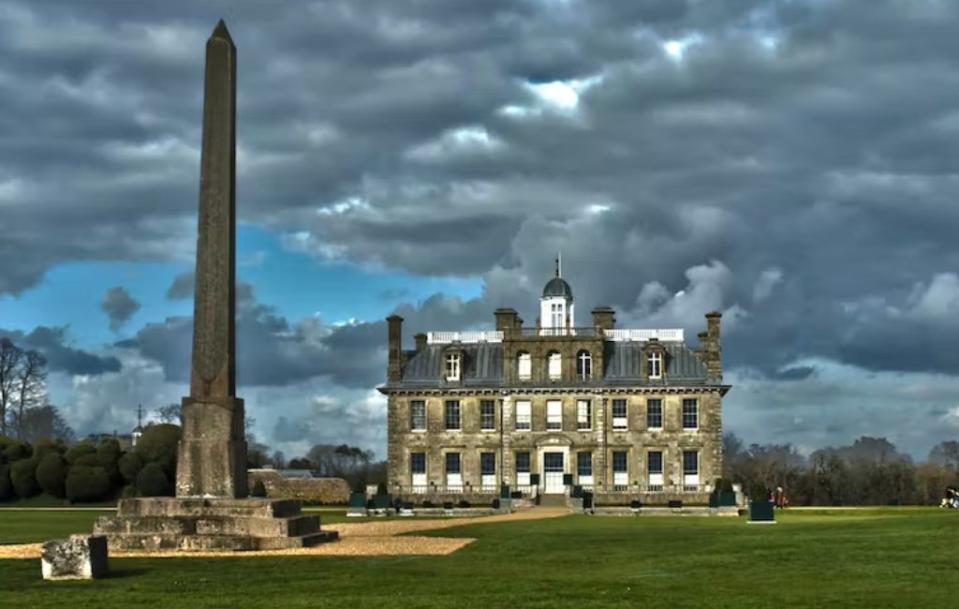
pixel 557 287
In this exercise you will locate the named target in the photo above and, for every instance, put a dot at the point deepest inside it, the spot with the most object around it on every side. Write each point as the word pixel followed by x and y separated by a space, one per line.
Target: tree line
pixel 870 471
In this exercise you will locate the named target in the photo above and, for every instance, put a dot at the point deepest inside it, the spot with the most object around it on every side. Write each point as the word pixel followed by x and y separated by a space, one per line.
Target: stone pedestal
pixel 211 458
pixel 79 557
pixel 168 523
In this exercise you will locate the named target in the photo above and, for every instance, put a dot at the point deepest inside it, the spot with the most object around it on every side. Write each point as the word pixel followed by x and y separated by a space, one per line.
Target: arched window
pixel 554 365
pixel 524 366
pixel 584 365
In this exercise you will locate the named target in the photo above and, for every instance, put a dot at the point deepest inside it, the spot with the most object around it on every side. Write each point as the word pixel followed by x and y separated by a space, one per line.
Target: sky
pixel 790 163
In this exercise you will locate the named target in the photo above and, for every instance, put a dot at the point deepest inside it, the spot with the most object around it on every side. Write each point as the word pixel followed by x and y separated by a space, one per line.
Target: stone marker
pixel 211 510
pixel 79 557
pixel 211 460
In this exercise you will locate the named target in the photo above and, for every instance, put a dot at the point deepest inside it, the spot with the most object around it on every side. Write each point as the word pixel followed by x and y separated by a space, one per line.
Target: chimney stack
pixel 395 358
pixel 506 320
pixel 604 318
pixel 420 341
pixel 711 348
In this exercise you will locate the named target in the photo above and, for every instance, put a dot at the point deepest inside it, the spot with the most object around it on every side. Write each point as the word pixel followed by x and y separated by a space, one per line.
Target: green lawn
pixel 830 558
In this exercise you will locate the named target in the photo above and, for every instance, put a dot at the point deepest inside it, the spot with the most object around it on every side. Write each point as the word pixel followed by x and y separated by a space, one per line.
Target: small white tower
pixel 556 313
pixel 138 430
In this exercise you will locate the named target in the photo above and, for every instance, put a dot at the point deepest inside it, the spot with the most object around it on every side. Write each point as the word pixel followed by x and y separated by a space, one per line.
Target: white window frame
pixel 584 415
pixel 655 363
pixel 453 366
pixel 620 477
pixel 418 480
pixel 620 423
pixel 690 479
pixel 522 478
pixel 524 366
pixel 654 480
pixel 662 414
pixel 454 481
pixel 482 420
pixel 695 414
pixel 425 416
pixel 554 415
pixel 459 415
pixel 554 365
pixel 581 478
pixel 557 315
pixel 524 415
pixel 584 365
pixel 488 481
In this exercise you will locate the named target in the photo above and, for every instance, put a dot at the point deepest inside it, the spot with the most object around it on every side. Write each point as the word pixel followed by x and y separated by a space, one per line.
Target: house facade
pixel 623 412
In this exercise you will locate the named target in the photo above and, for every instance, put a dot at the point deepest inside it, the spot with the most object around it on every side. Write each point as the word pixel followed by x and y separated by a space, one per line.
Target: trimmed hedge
pixel 152 481
pixel 6 486
pixel 130 465
pixel 23 476
pixel 51 474
pixel 85 483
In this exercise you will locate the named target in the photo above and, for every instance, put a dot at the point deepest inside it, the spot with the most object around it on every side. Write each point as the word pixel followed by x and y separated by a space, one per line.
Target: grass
pixel 813 558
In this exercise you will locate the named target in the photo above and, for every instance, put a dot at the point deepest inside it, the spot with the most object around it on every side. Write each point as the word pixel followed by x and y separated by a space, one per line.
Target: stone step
pixel 306 541
pixel 106 525
pixel 213 507
pixel 196 543
pixel 259 527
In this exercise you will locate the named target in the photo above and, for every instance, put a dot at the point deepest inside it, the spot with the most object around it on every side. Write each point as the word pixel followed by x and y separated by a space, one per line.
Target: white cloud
pixel 765 284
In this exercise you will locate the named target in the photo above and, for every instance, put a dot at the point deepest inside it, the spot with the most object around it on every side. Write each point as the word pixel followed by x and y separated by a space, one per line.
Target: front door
pixel 553 472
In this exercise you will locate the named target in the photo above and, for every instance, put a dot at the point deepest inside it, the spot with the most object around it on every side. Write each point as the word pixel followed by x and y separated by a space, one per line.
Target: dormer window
pixel 524 366
pixel 584 365
pixel 453 365
pixel 554 365
pixel 655 364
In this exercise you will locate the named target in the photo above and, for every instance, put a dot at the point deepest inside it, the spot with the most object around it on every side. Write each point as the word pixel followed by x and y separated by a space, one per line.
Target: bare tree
pixel 44 422
pixel 169 413
pixel 31 386
pixel 10 356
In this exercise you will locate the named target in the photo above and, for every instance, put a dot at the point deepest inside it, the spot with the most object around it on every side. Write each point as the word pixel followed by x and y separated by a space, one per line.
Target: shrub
pixel 259 489
pixel 152 481
pixel 86 483
pixel 24 478
pixel 158 444
pixel 130 465
pixel 129 491
pixel 6 487
pixel 44 447
pixel 108 454
pixel 81 450
pixel 759 493
pixel 52 474
pixel 16 451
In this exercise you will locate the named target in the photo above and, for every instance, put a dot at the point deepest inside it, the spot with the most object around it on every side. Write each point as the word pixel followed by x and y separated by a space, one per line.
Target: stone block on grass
pixel 79 557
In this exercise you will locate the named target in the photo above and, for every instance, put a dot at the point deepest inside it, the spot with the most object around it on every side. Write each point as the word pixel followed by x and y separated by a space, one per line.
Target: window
pixel 418 472
pixel 454 477
pixel 556 313
pixel 524 416
pixel 619 414
pixel 524 366
pixel 584 365
pixel 554 415
pixel 655 368
pixel 418 463
pixel 584 464
pixel 452 366
pixel 417 415
pixel 584 415
pixel 690 414
pixel 555 366
pixel 690 470
pixel 654 470
pixel 620 473
pixel 522 469
pixel 487 464
pixel 452 414
pixel 487 415
pixel 654 414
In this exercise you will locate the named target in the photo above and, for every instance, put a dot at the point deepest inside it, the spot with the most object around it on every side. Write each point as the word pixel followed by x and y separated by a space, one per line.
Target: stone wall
pixel 324 491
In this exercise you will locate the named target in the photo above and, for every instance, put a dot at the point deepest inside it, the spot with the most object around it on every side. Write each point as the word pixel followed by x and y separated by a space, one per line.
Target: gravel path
pixel 369 538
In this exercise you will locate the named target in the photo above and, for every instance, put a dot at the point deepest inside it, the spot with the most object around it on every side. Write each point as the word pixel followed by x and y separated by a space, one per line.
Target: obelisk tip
pixel 220 31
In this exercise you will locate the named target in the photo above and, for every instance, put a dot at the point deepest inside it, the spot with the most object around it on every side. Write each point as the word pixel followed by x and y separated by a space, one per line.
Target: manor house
pixel 547 407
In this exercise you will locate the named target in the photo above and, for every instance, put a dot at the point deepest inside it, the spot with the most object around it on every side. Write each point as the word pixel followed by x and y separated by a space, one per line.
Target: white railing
pixel 643 335
pixel 442 338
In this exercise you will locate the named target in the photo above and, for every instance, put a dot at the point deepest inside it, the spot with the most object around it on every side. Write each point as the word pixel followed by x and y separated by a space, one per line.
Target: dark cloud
pixel 182 286
pixel 60 356
pixel 119 306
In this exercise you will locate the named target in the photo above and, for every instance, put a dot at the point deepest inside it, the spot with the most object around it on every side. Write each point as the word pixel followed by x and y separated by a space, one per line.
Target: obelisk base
pixel 211 459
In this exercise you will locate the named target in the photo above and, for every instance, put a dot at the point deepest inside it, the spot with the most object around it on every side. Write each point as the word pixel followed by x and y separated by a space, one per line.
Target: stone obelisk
pixel 212 452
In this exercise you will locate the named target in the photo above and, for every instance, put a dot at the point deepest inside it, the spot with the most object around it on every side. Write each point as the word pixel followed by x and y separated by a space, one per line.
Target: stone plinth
pixel 187 523
pixel 211 459
pixel 79 557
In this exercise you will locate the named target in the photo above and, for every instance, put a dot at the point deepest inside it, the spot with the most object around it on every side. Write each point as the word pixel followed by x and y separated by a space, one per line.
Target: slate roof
pixel 483 366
